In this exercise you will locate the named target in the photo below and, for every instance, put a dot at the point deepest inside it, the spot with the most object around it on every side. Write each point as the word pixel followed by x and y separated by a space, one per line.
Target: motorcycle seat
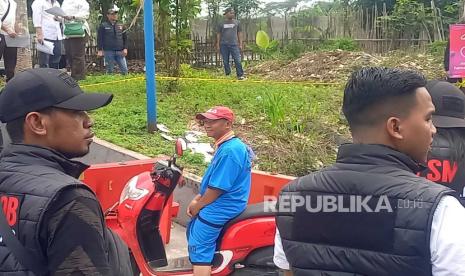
pixel 252 211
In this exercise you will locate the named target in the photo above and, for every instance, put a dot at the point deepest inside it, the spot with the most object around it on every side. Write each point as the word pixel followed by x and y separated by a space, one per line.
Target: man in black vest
pixel 112 43
pixel 369 213
pixel 55 217
pixel 446 160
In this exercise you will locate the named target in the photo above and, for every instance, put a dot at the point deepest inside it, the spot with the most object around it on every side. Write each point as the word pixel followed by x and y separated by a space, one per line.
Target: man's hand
pixel 125 52
pixel 12 33
pixel 194 209
pixel 241 47
pixel 40 38
pixel 191 206
pixel 100 53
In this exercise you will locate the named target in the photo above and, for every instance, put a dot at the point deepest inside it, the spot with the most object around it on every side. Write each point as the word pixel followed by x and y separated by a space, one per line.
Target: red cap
pixel 217 112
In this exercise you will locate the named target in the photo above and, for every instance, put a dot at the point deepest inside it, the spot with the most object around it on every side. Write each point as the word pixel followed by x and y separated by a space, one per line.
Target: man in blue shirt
pixel 224 190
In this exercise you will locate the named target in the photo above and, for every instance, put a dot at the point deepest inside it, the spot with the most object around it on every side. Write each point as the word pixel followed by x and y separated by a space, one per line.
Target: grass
pixel 293 128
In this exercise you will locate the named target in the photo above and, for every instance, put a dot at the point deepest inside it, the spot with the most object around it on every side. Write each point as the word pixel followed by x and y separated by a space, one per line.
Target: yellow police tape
pixel 219 80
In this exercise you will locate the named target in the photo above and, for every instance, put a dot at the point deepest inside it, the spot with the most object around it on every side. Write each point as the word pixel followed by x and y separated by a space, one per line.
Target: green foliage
pixel 273 106
pixel 243 8
pixel 305 117
pixel 264 46
pixel 346 44
pixel 437 48
pixel 281 8
pixel 294 49
pixel 173 30
pixel 410 17
pixel 262 40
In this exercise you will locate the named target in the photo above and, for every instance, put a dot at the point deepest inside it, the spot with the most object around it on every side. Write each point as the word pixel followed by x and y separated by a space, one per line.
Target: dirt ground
pixel 327 66
pixel 336 66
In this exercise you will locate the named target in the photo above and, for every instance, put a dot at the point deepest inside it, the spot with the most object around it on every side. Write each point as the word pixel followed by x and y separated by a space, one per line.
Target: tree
pixel 283 8
pixel 368 4
pixel 24 54
pixel 244 8
pixel 410 17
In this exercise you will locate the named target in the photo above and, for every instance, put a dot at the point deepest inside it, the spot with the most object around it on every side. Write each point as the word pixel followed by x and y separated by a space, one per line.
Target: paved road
pixel 178 242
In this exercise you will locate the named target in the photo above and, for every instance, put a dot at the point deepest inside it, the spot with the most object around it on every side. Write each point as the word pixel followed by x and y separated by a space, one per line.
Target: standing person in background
pixel 75 43
pixel 112 42
pixel 446 160
pixel 229 42
pixel 47 28
pixel 8 21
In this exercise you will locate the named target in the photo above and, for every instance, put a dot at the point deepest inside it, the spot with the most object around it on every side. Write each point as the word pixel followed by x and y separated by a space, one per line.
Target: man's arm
pixel 218 37
pixel 222 178
pixel 9 31
pixel 239 35
pixel 447 243
pixel 125 42
pixel 37 19
pixel 75 235
pixel 209 196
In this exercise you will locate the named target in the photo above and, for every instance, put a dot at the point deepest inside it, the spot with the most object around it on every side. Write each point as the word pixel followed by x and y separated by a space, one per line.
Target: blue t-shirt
pixel 229 171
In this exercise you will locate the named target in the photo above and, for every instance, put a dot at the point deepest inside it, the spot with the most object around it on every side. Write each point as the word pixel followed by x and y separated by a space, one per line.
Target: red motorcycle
pixel 245 246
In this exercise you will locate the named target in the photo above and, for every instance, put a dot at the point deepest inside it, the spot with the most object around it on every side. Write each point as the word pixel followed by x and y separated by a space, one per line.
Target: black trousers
pixel 9 55
pixel 75 49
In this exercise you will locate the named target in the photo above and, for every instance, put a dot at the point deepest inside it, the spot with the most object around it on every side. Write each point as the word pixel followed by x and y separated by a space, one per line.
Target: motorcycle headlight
pixel 131 191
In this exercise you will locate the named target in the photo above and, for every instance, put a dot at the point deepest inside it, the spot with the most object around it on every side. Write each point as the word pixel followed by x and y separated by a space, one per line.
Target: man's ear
pixel 393 127
pixel 35 123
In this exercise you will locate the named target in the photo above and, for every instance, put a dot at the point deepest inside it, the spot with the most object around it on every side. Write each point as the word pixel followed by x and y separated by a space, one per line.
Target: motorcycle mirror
pixel 180 147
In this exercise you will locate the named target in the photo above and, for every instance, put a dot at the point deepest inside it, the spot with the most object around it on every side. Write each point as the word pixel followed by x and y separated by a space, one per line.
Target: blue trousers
pixel 112 57
pixel 231 50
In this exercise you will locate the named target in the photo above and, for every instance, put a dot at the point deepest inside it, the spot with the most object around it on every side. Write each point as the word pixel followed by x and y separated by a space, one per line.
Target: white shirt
pixel 10 19
pixel 40 18
pixel 447 242
pixel 79 9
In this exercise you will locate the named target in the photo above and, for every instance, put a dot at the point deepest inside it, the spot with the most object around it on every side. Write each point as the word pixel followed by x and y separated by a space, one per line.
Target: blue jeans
pixel 233 50
pixel 51 61
pixel 112 57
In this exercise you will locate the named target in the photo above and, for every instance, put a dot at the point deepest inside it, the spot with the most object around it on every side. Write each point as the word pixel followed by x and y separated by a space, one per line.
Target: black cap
pixel 449 101
pixel 112 11
pixel 37 89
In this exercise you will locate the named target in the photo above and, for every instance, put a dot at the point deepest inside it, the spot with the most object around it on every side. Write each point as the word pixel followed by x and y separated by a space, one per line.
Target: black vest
pixel 30 179
pixel 113 36
pixel 387 235
pixel 443 170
